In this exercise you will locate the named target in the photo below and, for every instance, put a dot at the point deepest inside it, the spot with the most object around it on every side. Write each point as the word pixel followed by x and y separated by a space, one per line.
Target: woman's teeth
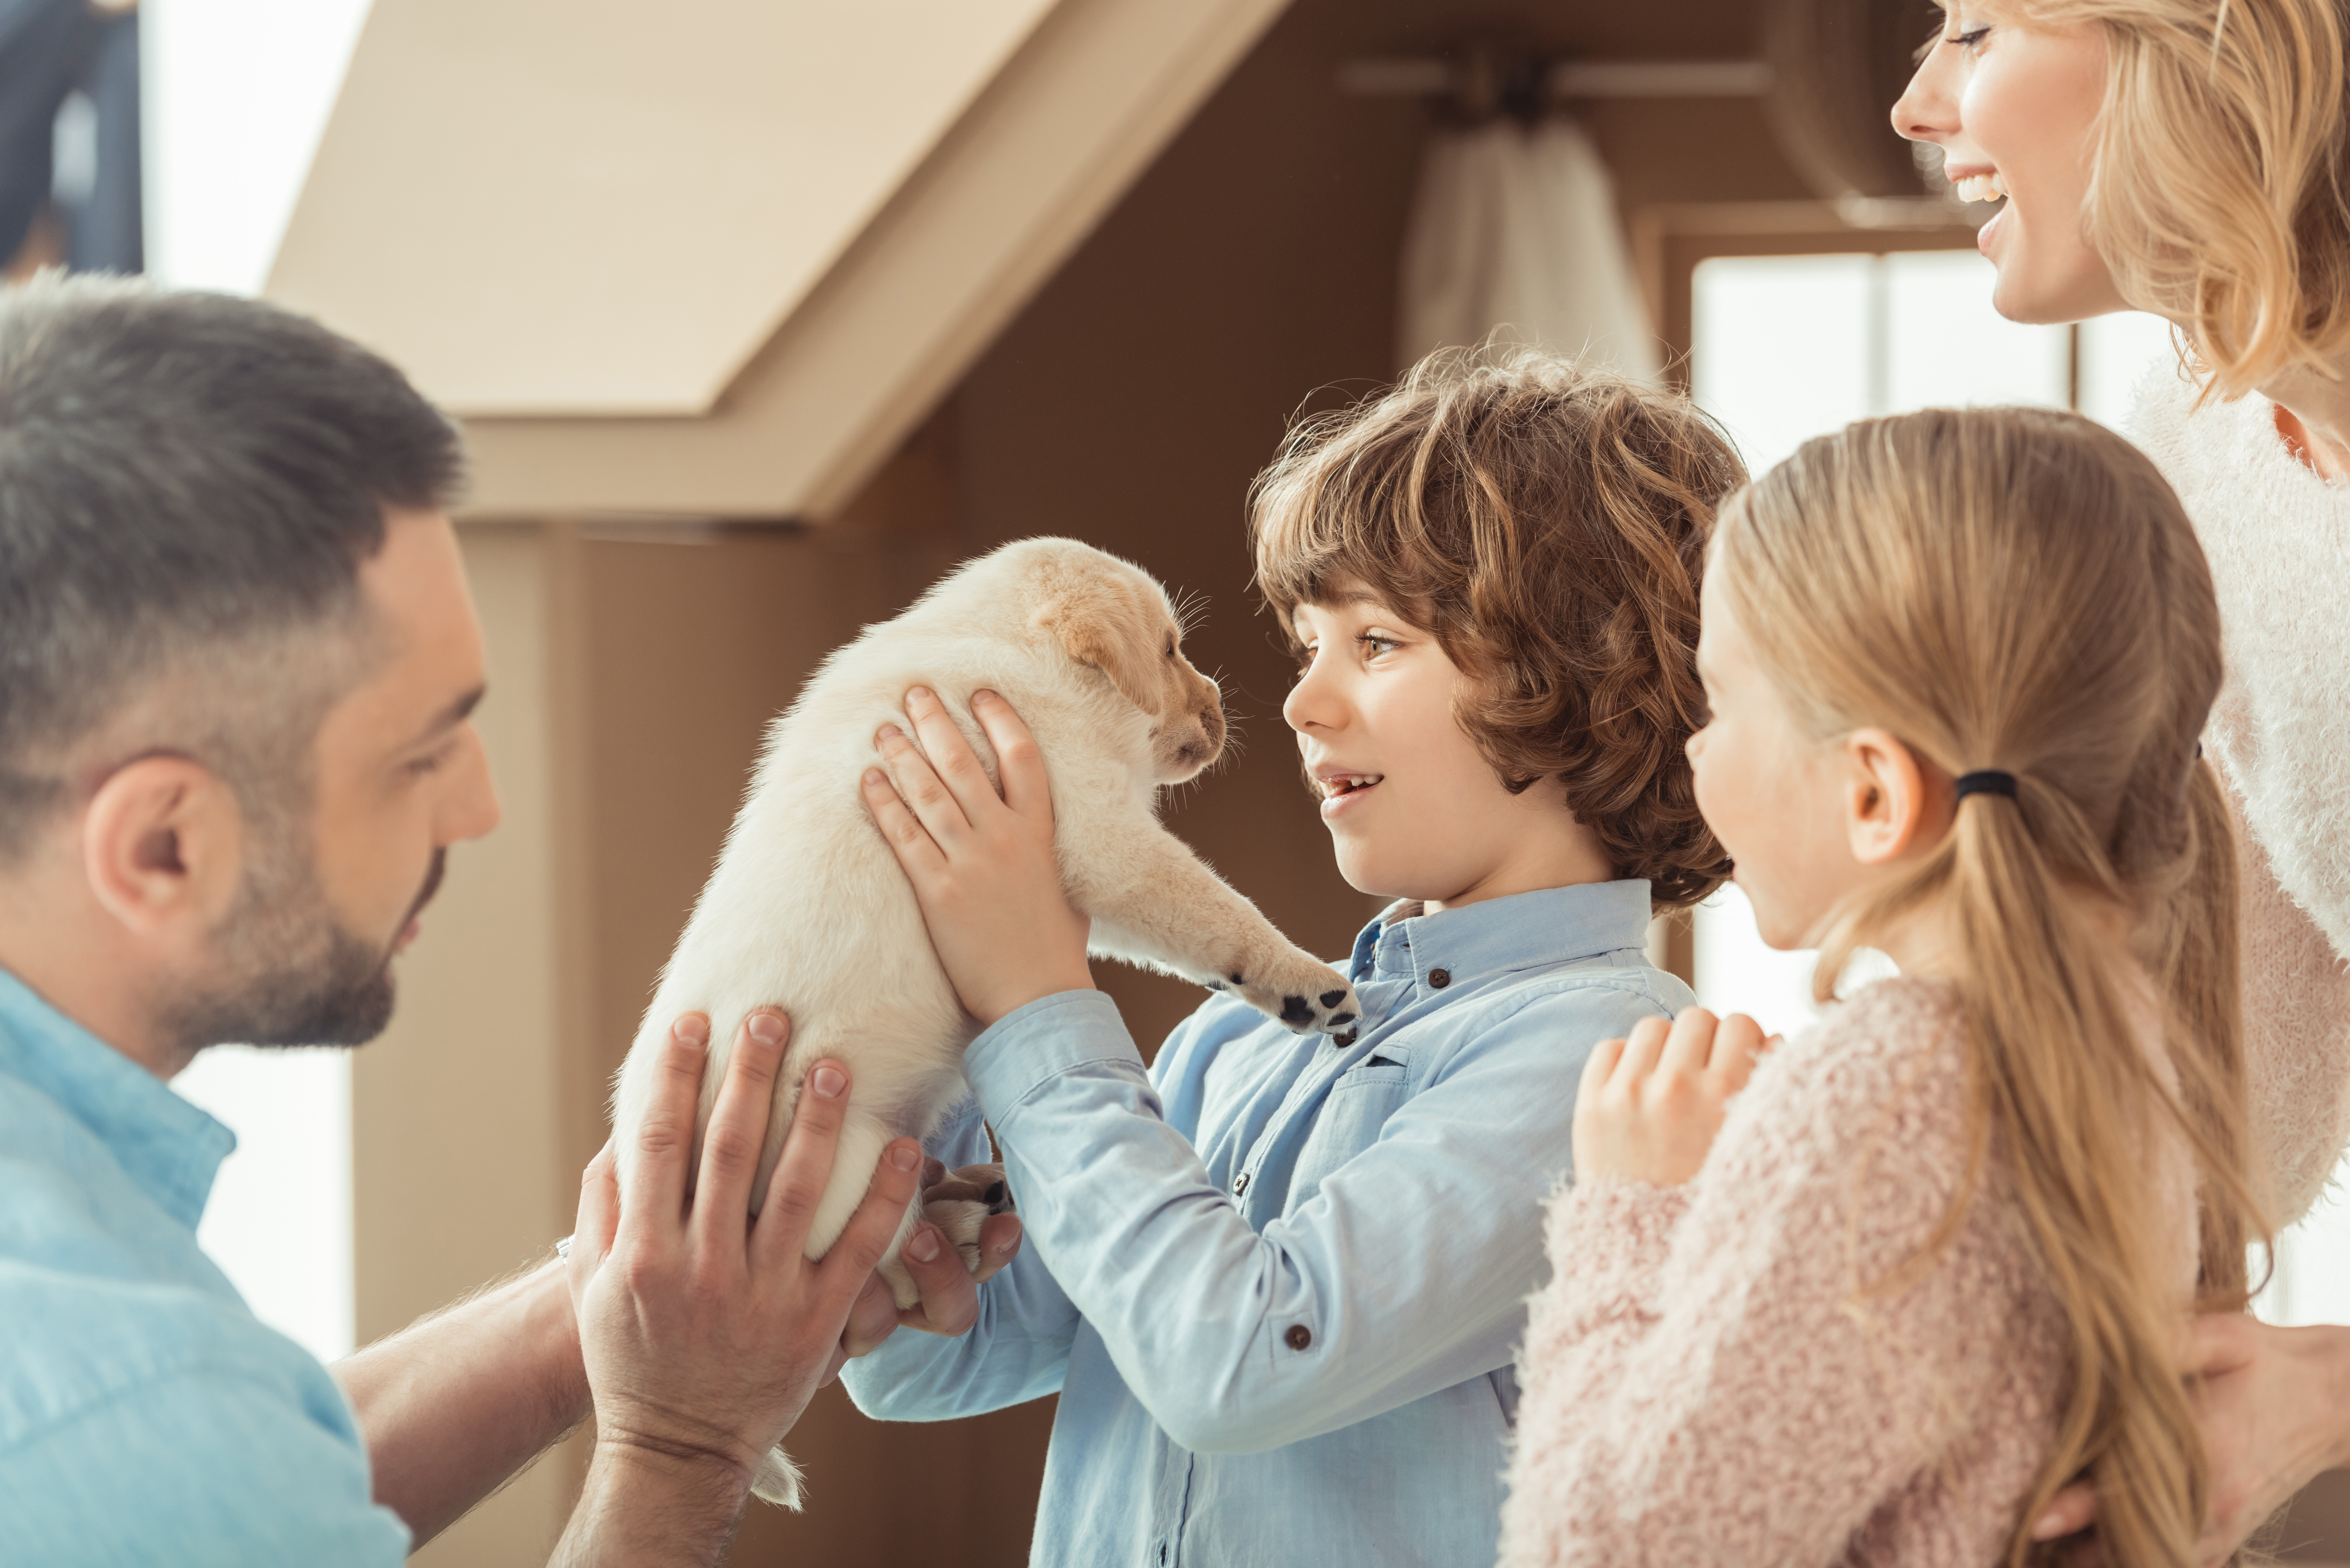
pixel 1980 187
pixel 1346 783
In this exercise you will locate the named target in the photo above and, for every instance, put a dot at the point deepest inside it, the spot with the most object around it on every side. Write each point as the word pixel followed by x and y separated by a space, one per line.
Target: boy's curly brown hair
pixel 1546 522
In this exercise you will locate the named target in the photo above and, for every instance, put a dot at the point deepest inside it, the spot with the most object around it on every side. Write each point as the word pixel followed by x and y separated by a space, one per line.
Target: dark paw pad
pixel 1348 1038
pixel 1294 1009
pixel 1342 1018
pixel 1333 998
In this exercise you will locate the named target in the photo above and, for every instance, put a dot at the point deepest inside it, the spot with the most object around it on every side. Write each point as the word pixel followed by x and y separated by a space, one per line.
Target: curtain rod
pixel 1563 78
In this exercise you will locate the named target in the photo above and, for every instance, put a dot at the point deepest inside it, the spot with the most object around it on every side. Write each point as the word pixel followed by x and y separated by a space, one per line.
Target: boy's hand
pixel 950 1304
pixel 982 866
pixel 1649 1106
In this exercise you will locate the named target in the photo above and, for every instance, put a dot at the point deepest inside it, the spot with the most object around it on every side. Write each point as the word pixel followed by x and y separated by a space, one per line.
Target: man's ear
pixel 162 842
pixel 1891 803
pixel 1109 627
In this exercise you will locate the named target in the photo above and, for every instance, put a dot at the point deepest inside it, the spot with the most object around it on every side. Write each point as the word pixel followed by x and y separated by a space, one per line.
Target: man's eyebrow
pixel 450 717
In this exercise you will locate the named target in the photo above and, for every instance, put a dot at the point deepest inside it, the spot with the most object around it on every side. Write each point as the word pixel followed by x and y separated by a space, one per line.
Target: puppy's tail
pixel 778 1481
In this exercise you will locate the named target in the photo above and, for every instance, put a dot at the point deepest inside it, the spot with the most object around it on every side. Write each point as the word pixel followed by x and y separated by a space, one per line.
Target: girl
pixel 2187 157
pixel 1277 1281
pixel 1928 1265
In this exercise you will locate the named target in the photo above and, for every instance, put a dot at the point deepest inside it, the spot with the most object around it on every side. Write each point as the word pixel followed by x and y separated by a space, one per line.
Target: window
pixel 279 1223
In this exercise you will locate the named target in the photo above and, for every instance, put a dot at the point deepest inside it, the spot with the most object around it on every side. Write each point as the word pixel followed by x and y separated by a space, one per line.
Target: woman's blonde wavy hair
pixel 2219 196
pixel 2018 589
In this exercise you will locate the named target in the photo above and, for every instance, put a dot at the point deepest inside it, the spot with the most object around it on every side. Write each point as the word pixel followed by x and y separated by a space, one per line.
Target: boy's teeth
pixel 1980 187
pixel 1341 783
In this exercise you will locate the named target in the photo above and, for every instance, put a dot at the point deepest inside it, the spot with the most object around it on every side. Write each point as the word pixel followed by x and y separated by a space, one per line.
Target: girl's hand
pixel 1649 1106
pixel 982 866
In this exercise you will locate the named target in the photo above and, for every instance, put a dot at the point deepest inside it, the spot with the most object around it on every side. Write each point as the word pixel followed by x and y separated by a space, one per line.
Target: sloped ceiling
pixel 718 257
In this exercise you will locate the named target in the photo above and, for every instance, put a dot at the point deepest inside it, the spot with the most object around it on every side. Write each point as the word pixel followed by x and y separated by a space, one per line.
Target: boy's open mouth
pixel 1337 788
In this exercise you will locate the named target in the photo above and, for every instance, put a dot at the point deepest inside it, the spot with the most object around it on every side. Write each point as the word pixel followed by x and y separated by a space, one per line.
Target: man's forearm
pixel 643 1507
pixel 454 1404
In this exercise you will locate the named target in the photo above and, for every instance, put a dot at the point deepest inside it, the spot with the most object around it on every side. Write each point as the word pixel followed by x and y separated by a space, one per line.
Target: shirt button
pixel 1241 1186
pixel 1439 977
pixel 1298 1337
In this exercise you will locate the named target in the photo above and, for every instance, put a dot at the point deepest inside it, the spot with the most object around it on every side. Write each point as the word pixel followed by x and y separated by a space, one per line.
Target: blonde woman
pixel 2192 157
pixel 1928 1265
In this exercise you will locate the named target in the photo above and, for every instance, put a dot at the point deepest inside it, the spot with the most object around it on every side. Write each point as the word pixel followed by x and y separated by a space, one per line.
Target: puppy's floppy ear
pixel 1115 628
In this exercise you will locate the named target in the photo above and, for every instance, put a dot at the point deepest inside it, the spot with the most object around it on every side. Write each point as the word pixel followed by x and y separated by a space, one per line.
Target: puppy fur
pixel 809 911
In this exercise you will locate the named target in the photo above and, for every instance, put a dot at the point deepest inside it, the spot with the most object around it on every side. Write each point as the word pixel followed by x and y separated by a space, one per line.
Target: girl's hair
pixel 2219 198
pixel 2019 590
pixel 1546 521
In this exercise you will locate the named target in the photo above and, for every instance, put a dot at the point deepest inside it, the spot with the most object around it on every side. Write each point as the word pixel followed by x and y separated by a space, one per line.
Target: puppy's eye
pixel 1170 648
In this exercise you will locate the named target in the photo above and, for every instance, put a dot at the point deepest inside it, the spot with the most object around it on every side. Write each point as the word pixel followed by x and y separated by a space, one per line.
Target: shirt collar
pixel 1525 930
pixel 168 1147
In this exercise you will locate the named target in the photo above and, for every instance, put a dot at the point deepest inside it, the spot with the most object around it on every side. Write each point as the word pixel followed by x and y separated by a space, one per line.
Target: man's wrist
pixel 552 1326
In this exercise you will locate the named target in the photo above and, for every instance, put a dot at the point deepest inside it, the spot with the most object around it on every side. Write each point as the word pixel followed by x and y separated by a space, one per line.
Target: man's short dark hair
pixel 185 478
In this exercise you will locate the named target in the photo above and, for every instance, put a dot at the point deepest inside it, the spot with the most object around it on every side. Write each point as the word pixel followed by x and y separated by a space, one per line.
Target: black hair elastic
pixel 1989 781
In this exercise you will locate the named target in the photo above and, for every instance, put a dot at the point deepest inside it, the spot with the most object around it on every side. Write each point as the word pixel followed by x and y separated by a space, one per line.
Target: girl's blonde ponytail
pixel 2016 590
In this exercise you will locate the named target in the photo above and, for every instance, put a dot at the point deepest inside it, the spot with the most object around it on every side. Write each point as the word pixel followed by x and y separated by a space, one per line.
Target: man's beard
pixel 294 974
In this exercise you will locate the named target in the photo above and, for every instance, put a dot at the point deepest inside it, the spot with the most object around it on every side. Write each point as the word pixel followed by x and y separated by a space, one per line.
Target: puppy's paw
pixel 1310 996
pixel 778 1481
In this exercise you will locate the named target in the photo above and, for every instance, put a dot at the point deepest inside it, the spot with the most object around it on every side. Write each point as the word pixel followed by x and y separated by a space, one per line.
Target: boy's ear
pixel 1891 806
pixel 1110 627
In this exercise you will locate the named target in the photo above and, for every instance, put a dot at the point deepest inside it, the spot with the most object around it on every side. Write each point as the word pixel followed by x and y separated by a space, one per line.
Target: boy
pixel 1276 1280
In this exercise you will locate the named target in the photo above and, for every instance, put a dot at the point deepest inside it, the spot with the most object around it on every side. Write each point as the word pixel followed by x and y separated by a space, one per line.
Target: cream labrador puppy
pixel 809 911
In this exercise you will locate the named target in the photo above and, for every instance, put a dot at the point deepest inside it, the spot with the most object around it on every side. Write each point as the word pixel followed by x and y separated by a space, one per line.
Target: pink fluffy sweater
pixel 1707 1378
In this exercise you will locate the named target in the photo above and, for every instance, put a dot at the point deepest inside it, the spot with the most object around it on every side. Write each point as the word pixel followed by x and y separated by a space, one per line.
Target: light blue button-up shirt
pixel 1277 1282
pixel 146 1416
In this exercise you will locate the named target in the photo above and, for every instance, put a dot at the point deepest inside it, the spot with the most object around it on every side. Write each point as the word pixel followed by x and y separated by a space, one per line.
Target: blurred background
pixel 762 314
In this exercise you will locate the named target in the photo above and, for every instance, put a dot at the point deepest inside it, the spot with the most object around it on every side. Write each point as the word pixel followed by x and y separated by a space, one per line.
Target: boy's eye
pixel 1375 644
pixel 1970 38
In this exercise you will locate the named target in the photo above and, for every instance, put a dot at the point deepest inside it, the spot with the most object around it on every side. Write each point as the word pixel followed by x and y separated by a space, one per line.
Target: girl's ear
pixel 1893 803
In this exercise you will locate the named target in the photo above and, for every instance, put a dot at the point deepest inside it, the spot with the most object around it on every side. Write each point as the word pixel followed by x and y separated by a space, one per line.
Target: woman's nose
pixel 1926 109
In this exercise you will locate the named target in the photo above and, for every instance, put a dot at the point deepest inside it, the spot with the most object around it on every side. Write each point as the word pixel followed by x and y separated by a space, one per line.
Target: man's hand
pixel 2274 1408
pixel 704 1333
pixel 1649 1106
pixel 983 866
pixel 949 1302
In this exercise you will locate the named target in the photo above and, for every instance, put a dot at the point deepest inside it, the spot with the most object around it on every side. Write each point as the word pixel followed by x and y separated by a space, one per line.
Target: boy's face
pixel 1414 811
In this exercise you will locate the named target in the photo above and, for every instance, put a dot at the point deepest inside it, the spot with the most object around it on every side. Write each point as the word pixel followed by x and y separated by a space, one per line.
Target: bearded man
pixel 237 665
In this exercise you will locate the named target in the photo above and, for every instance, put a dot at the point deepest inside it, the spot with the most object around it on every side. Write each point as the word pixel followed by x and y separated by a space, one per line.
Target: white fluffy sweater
pixel 2279 541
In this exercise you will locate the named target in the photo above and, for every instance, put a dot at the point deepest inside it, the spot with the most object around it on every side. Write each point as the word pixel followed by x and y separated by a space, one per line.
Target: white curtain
pixel 1514 232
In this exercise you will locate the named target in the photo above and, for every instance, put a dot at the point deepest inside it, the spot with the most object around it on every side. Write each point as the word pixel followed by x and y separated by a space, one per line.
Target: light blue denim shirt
pixel 146 1416
pixel 1277 1282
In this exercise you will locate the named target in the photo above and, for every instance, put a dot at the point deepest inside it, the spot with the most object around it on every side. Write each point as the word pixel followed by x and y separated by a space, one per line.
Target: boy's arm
pixel 1016 1350
pixel 1405 1274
